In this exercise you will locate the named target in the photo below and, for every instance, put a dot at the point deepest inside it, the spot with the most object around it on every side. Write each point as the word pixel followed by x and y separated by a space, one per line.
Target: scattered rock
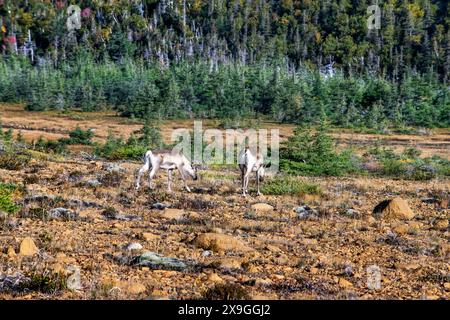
pixel 28 247
pixel 160 206
pixel 40 198
pixel 156 261
pixel 306 213
pixel 206 253
pixel 396 208
pixel 127 217
pixel 135 246
pixel 62 214
pixel 352 213
pixel 220 242
pixel 262 207
pixel 82 204
pixel 112 167
pixel 343 283
pixel 93 183
pixel 114 215
pixel 74 280
pixel 12 282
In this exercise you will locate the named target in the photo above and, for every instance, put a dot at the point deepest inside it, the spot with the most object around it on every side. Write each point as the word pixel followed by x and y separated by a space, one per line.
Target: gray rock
pixel 82 204
pixel 93 183
pixel 113 167
pixel 160 206
pixel 74 280
pixel 12 282
pixel 114 215
pixel 352 213
pixel 134 246
pixel 206 253
pixel 39 198
pixel 62 214
pixel 306 213
pixel 156 261
pixel 127 217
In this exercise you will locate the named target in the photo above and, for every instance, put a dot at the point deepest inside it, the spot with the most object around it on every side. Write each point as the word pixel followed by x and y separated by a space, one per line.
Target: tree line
pixel 291 61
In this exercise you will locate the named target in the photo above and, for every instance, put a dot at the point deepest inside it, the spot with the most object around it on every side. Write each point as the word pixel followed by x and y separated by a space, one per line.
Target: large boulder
pixel 220 242
pixel 156 261
pixel 396 208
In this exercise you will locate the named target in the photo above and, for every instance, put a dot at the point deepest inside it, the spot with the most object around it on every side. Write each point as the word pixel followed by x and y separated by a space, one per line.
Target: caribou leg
pixel 144 169
pixel 257 181
pixel 180 169
pixel 246 180
pixel 152 175
pixel 169 180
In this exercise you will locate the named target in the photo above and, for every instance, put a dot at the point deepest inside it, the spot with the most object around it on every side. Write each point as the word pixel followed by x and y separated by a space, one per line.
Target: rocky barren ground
pixel 83 232
pixel 83 220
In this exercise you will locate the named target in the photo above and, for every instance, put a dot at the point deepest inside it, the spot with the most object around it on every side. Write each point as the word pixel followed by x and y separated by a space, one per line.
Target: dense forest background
pixel 292 61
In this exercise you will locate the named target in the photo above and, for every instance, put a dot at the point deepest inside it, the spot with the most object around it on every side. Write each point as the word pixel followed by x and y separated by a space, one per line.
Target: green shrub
pixel 420 171
pixel 50 146
pixel 115 148
pixel 411 153
pixel 409 165
pixel 289 185
pixel 79 136
pixel 45 282
pixel 6 203
pixel 314 153
pixel 392 167
pixel 442 165
pixel 8 135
